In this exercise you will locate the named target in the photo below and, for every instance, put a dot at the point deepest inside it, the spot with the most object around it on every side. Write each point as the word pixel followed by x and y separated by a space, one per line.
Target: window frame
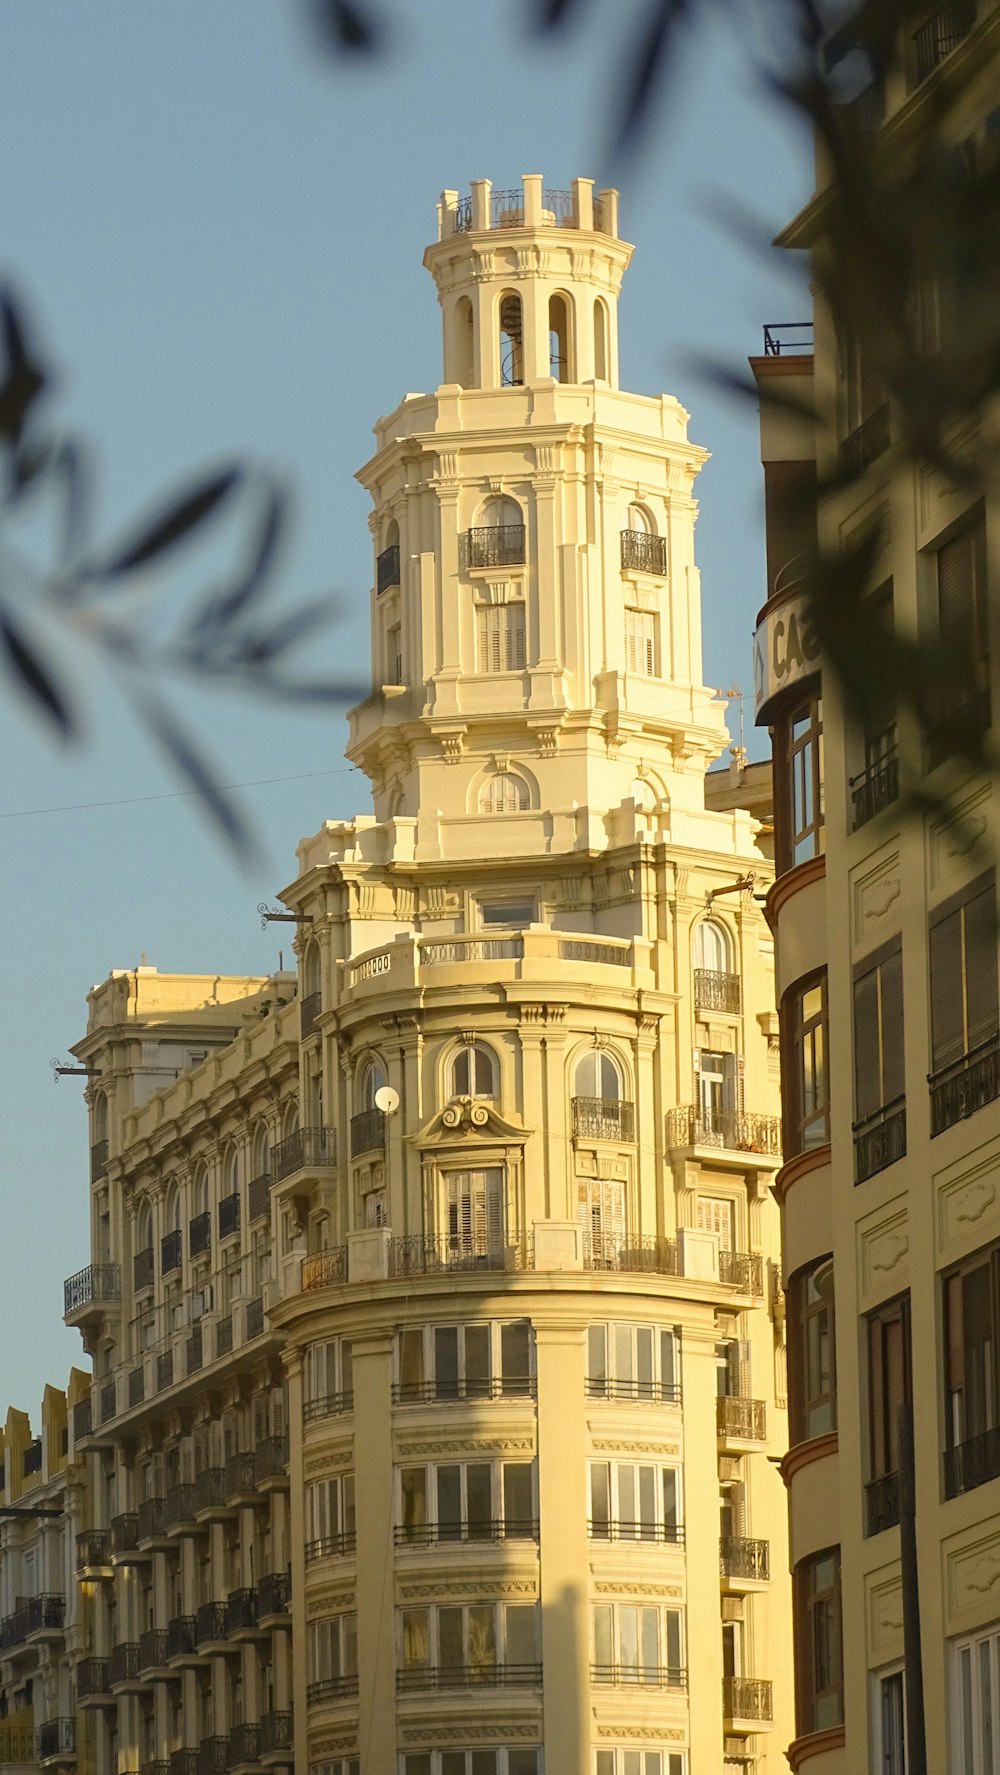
pixel 798 1037
pixel 818 1634
pixel 799 776
pixel 803 1312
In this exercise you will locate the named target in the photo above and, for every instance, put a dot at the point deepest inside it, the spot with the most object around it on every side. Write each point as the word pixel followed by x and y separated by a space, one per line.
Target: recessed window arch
pixel 172 1209
pixel 505 793
pixel 261 1149
pixel 511 317
pixel 501 510
pixel 464 335
pixel 711 947
pixel 199 1192
pixel 600 340
pixel 560 339
pixel 290 1120
pixel 597 1074
pixel 473 1071
pixel 641 520
pixel 100 1116
pixel 371 1076
pixel 392 534
pixel 231 1172
pixel 144 1228
pixel 310 968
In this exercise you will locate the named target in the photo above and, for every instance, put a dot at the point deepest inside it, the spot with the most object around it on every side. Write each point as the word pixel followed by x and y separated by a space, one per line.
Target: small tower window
pixel 600 341
pixel 394 655
pixel 711 947
pixel 503 794
pixel 640 642
pixel 559 364
pixel 473 1071
pixel 464 342
pixel 511 341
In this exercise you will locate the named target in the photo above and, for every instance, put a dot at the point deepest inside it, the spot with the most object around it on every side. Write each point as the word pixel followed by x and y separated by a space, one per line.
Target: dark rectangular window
pixel 888 1390
pixel 960 700
pixel 805 1093
pixel 819 1661
pixel 972 1385
pixel 812 1383
pixel 879 1080
pixel 963 991
pixel 876 785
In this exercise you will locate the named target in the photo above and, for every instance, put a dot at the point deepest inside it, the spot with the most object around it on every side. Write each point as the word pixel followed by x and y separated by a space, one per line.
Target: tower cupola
pixel 528 282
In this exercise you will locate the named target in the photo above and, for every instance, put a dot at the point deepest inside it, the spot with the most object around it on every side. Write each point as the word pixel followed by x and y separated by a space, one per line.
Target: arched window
pixel 511 340
pixel 371 1078
pixel 100 1116
pixel 597 1076
pixel 310 969
pixel 464 337
pixel 144 1228
pixel 392 534
pixel 172 1210
pixel 559 340
pixel 232 1172
pixel 261 1152
pixel 199 1192
pixel 504 794
pixel 711 947
pixel 600 341
pixel 474 1071
pixel 501 512
pixel 639 519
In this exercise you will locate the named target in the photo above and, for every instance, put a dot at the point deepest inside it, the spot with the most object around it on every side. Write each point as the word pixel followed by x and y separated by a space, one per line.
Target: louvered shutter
pixel 516 655
pixel 980 967
pixel 867 1081
pixel 947 1019
pixel 490 638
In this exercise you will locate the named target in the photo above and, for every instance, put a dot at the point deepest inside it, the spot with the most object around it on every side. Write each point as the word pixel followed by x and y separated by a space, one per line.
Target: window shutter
pixel 867 1081
pixel 516 654
pixel 947 1032
pixel 956 590
pixel 981 967
pixel 876 1389
pixel 893 1036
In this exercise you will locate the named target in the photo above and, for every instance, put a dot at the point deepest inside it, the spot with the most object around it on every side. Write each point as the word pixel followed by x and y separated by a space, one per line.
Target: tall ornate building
pixel 482 1221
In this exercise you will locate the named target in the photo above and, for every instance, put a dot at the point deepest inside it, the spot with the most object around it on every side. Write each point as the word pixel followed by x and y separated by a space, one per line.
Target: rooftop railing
pixel 788 338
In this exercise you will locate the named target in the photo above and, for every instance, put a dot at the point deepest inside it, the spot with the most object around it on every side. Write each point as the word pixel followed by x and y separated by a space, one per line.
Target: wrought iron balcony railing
pixel 495 545
pixel 31 1459
pixel 743 1558
pixel 880 1140
pixel 224 1335
pixel 200 1233
pixel 367 1132
pixel 732 1130
pixel 180 1636
pixel 881 1503
pixel 241 1610
pixel 108 1400
pixel 125 1532
pixel 875 788
pixel 328 1405
pixel 603 1118
pixel 240 1480
pixel 123 1664
pixel 744 1419
pixel 271 1458
pixel 274 1593
pixel 387 568
pixel 194 1351
pixel 867 442
pixel 210 1624
pixel 306 1147
pixel 93 1548
pixel 938 36
pixel 650 1676
pixel 259 1196
pixel 742 1270
pixel 164 1369
pixel 412 1678
pixel 428 1534
pixel 180 1505
pixel 244 1743
pixel 152 1515
pixel 136 1385
pixel 968 1084
pixel 652 1256
pixel 326 1270
pixel 715 991
pixel 142 1269
pixel 332 1546
pixel 445 1392
pixel 644 553
pixel 83 1418
pixel 56 1737
pixel 420 1256
pixel 153 1648
pixel 602 1386
pixel 668 1534
pixel 171 1252
pixel 971 1463
pixel 210 1489
pixel 275 1731
pixel 183 1762
pixel 747 1698
pixel 92 1678
pixel 254 1318
pixel 99 1282
pixel 229 1215
pixel 332 1688
pixel 213 1755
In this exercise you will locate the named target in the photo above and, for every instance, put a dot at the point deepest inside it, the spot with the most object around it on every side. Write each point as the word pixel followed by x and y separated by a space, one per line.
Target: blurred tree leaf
pixel 35 679
pixel 180 517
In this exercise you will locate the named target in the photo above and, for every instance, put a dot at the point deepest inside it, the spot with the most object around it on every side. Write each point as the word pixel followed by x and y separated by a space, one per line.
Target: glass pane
pixel 517 1499
pixel 413 1485
pixel 522 1645
pixel 986 1703
pixel 644 1360
pixel 515 1355
pixel 605 1763
pixel 623 1365
pixel 670 1514
pixel 411 1358
pixel 668 1350
pixel 449 1503
pixel 628 1632
pixel 965 1678
pixel 673 1621
pixel 453 1762
pixel 482 1634
pixel 418 1763
pixel 477 1361
pixel 650 1643
pixel 626 1511
pixel 350 1632
pixel 347 1524
pixel 631 1762
pixel 596 1361
pixel 525 1762
pixel 484 1762
pixel 600 1497
pixel 479 1490
pixel 603 1635
pixel 446 1361
pixel 346 1366
pixel 451 1642
pixel 416 1638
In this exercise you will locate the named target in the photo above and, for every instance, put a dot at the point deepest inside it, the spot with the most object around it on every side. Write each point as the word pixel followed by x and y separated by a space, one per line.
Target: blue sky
pixel 220 232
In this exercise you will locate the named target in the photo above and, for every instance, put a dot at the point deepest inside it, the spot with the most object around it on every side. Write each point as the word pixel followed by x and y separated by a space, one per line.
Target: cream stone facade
pixel 434 1297
pixel 886 969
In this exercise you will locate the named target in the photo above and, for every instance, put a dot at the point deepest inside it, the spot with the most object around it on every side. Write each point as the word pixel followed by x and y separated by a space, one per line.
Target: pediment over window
pixel 467 1121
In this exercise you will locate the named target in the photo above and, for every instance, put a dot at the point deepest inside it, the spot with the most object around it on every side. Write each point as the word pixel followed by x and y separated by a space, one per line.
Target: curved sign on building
pixel 785 649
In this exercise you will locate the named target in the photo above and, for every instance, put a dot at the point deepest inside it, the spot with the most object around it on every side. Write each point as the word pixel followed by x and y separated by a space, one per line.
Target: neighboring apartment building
pixel 44 1614
pixel 886 968
pixel 482 1223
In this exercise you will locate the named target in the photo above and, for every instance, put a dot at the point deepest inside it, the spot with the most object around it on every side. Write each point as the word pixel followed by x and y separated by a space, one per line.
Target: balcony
pixel 937 37
pixel 270 1464
pixel 210 1625
pixel 152 1515
pixel 880 1140
pixel 183 1762
pixel 729 1130
pixel 83 1419
pixel 744 1561
pixel 644 553
pixel 241 1486
pixel 650 1257
pixel 158 1766
pixel 200 1234
pixel 741 1420
pixel 714 991
pixel 444 1392
pixel 275 1732
pixel 968 1084
pixel 181 1639
pixel 332 1688
pixel 495 545
pixel 224 1335
pixel 746 1702
pixel 419 1256
pixel 164 1370
pixel 98 1159
pixel 171 1252
pixel 649 1676
pixel 125 1534
pixel 229 1215
pixel 875 788
pixel 108 1400
pixel 274 1593
pixel 194 1351
pixel 136 1386
pixel 244 1745
pixel 37 1618
pixel 57 1740
pixel 153 1650
pixel 93 1554
pixel 210 1494
pixel 664 1534
pixel 92 1682
pixel 602 1118
pixel 142 1270
pixel 882 1503
pixel 213 1756
pixel 326 1270
pixel 254 1318
pixel 412 1680
pixel 387 568
pixel 430 1534
pixel 332 1546
pixel 601 1386
pixel 100 1284
pixel 367 1132
pixel 241 1613
pixel 742 1270
pixel 866 443
pixel 259 1196
pixel 17 1745
pixel 180 1507
pixel 123 1664
pixel 306 1149
pixel 971 1463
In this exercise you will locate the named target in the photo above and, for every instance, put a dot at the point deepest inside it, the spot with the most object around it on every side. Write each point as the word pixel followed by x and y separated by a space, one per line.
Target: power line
pixel 72 807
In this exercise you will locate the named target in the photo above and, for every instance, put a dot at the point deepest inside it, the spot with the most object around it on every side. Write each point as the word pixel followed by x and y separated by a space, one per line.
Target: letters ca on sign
pixel 785 649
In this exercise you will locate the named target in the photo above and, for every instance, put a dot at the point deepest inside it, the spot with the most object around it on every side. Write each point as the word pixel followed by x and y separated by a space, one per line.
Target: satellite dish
pixel 387 1100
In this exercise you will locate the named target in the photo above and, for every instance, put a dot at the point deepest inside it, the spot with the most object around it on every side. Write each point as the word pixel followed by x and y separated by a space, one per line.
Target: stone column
pixel 562 1499
pixel 701 1530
